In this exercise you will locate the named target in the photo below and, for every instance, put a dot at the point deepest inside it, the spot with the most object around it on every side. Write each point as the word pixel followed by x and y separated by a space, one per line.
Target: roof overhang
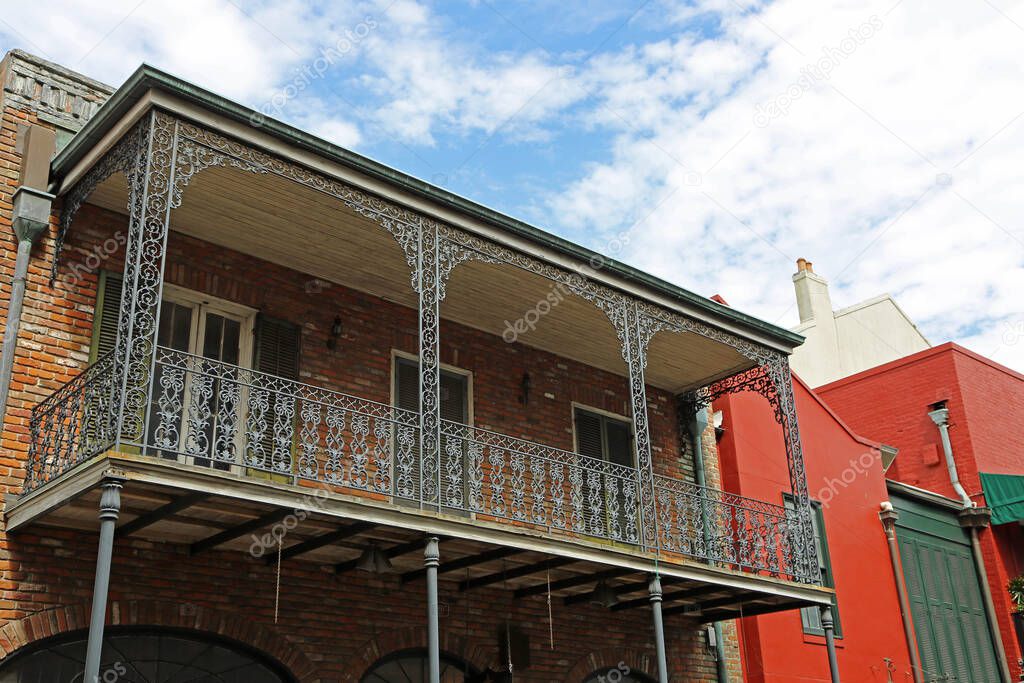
pixel 149 87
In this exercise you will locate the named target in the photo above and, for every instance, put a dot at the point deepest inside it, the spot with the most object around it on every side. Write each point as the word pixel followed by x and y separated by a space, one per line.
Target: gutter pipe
pixel 698 423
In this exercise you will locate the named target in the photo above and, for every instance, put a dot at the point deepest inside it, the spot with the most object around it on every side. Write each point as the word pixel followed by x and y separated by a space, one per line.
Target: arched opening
pixel 412 666
pixel 618 674
pixel 145 655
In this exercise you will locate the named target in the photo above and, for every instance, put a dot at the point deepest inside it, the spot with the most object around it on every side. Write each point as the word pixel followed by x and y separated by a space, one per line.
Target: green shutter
pixel 952 631
pixel 106 315
pixel 810 617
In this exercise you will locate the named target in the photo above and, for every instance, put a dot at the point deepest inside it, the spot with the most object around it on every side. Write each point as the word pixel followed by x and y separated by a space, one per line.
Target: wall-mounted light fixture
pixel 332 339
pixel 525 384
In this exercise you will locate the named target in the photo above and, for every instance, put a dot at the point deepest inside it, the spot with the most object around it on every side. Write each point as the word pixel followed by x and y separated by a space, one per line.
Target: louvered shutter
pixel 278 347
pixel 589 440
pixel 277 352
pixel 105 319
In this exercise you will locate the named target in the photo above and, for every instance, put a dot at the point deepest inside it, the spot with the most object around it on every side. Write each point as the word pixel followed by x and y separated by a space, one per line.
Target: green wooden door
pixel 945 601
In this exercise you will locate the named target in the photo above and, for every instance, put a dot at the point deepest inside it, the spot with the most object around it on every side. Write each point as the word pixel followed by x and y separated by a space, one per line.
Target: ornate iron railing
pixel 72 424
pixel 220 415
pixel 502 476
pixel 724 528
pixel 207 413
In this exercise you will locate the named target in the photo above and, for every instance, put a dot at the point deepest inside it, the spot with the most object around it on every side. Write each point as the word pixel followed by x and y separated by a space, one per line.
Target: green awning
pixel 1004 494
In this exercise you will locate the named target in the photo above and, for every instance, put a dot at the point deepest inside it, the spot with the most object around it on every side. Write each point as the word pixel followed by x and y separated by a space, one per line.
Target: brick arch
pixel 476 652
pixel 17 634
pixel 637 660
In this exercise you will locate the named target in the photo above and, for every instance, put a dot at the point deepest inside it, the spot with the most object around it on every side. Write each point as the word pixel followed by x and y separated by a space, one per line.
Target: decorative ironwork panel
pixel 724 528
pixel 72 424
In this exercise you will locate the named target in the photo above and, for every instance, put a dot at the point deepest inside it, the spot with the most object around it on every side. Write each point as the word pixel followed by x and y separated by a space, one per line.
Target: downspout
pixel 698 424
pixel 30 218
pixel 973 518
pixel 940 416
pixel 888 517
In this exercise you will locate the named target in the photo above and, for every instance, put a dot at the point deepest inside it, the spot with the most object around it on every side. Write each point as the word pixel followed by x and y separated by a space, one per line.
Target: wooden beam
pixel 391 553
pixel 710 604
pixel 621 589
pixel 571 582
pixel 669 597
pixel 320 541
pixel 151 518
pixel 238 531
pixel 516 572
pixel 463 562
pixel 752 611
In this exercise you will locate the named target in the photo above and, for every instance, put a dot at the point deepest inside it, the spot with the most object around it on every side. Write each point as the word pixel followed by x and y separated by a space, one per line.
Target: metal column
pixel 431 560
pixel 110 509
pixel 659 628
pixel 828 624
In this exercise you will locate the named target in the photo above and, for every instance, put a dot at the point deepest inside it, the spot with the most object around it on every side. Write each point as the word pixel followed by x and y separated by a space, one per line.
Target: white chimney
pixel 812 298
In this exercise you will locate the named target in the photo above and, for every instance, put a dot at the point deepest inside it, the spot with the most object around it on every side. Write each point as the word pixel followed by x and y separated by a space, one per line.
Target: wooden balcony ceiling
pixel 206 524
pixel 280 221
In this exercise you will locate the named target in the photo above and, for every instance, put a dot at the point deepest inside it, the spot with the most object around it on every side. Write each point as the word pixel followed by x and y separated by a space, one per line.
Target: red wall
pixel 986 411
pixel 845 474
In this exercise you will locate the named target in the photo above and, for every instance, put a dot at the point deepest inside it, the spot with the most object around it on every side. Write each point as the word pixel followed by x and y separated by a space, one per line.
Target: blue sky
pixel 724 138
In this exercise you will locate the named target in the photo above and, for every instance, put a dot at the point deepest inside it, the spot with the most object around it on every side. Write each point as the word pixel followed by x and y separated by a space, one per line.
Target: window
pixel 618 674
pixel 606 437
pixel 811 616
pixel 218 330
pixel 411 666
pixel 455 407
pixel 132 655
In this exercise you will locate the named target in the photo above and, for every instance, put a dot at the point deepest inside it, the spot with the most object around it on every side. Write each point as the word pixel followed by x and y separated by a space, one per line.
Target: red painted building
pixel 846 479
pixel 986 410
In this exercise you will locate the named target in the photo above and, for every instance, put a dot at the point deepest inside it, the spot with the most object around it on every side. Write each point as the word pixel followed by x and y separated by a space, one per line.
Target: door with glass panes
pixel 454 408
pixel 607 437
pixel 215 330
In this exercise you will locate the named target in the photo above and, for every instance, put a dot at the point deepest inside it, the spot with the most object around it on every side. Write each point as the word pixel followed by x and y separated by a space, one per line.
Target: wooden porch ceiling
pixel 206 523
pixel 297 227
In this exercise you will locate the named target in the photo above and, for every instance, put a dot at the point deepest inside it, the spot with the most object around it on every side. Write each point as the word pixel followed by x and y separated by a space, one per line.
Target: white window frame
pixel 201 304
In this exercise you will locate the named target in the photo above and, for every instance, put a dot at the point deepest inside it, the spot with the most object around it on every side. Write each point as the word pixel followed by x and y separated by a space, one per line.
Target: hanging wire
pixel 551 621
pixel 277 588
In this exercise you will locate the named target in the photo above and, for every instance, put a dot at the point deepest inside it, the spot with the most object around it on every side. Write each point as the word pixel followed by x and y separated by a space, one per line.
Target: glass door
pixel 188 418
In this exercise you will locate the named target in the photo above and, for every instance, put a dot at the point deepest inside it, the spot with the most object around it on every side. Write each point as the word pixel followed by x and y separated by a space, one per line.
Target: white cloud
pixel 898 172
pixel 829 179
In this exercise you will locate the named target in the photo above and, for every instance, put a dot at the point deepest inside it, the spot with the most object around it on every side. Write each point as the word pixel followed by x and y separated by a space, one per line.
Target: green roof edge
pixel 147 77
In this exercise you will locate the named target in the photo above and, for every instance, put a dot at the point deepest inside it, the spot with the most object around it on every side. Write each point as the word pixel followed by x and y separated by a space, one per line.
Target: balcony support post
pixel 635 338
pixel 659 627
pixel 153 192
pixel 429 286
pixel 804 552
pixel 110 510
pixel 828 624
pixel 431 561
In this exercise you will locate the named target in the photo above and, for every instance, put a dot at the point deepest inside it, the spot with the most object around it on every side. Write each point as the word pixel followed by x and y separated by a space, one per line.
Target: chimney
pixel 812 298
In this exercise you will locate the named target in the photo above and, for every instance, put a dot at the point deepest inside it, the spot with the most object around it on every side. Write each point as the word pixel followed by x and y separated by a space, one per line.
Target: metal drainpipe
pixel 31 219
pixel 888 517
pixel 697 426
pixel 940 417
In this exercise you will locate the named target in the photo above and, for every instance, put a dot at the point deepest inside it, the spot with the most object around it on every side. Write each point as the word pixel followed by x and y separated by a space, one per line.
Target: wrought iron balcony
pixel 210 414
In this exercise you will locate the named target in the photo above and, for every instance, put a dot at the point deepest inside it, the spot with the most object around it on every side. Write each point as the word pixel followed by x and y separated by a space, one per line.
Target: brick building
pixel 979 405
pixel 338 424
